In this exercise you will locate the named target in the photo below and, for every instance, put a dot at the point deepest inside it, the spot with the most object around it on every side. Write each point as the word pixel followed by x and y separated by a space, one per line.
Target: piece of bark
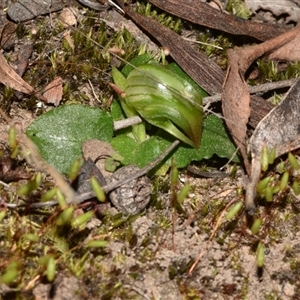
pixel 22 63
pixel 25 10
pixel 261 109
pixel 203 14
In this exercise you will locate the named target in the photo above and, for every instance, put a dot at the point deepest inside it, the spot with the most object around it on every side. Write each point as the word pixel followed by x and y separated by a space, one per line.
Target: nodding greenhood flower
pixel 164 98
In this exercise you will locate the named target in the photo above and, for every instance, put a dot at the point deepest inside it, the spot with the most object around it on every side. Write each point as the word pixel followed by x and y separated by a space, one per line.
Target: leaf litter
pixel 176 259
pixel 236 100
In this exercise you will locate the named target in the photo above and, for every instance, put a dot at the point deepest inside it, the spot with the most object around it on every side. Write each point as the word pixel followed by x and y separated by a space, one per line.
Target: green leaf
pixel 139 130
pixel 119 78
pixel 215 141
pixel 175 68
pixel 127 146
pixel 60 133
pixel 116 111
pixel 137 61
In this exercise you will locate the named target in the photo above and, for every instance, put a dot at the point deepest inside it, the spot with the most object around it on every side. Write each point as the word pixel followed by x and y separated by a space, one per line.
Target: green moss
pixel 144 8
pixel 272 70
pixel 215 45
pixel 238 8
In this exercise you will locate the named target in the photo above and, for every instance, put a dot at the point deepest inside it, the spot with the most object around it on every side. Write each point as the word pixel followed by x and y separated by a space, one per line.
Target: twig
pixel 127 122
pixel 108 187
pixel 256 89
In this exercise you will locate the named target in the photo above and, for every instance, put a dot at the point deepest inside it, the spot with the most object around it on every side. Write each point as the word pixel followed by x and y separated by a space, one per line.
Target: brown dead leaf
pixel 236 97
pixel 10 78
pixel 279 130
pixel 236 103
pixel 201 13
pixel 53 91
pixel 7 32
pixel 10 171
pixel 68 17
pixel 290 51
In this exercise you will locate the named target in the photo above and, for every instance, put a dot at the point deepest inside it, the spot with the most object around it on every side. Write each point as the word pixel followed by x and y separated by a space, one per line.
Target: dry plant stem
pixel 108 187
pixel 137 290
pixel 127 122
pixel 265 87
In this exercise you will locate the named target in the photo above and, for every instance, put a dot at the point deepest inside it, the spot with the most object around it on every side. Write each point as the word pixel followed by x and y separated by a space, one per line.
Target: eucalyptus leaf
pixel 60 133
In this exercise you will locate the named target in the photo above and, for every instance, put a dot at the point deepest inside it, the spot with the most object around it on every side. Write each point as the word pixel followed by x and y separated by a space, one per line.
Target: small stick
pixel 108 187
pixel 256 89
pixel 127 122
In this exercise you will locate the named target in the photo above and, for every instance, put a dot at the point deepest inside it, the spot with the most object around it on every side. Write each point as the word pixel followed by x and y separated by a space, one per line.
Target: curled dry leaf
pixel 290 51
pixel 11 79
pixel 203 14
pixel 53 91
pixel 279 130
pixel 236 103
pixel 235 97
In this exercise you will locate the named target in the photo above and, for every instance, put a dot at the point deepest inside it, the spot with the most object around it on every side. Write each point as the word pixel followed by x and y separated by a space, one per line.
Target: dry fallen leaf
pixel 236 103
pixel 235 97
pixel 279 130
pixel 289 52
pixel 11 79
pixel 10 171
pixel 7 31
pixel 68 17
pixel 53 91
